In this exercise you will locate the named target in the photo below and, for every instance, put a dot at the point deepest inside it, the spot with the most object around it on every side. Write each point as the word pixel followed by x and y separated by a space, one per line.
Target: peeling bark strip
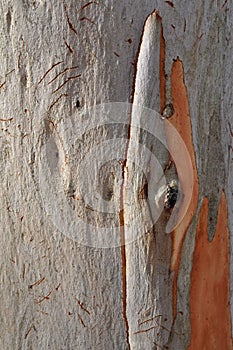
pixel 135 98
pixel 153 250
pixel 181 121
pixel 210 286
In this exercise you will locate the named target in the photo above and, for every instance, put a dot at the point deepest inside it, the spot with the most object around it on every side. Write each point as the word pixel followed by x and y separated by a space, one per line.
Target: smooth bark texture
pixel 59 58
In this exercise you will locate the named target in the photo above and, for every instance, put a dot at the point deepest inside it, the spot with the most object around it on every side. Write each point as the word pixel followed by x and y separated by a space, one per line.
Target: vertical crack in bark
pixel 162 74
pixel 123 262
pixel 122 238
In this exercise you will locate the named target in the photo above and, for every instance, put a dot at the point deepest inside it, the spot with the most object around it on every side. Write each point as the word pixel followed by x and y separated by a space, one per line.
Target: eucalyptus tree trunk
pixel 104 105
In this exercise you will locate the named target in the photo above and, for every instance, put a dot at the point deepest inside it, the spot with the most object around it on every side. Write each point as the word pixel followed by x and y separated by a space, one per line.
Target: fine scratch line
pixel 65 70
pixel 65 95
pixel 68 19
pixel 82 307
pixel 37 283
pixel 66 81
pixel 54 65
pixel 88 4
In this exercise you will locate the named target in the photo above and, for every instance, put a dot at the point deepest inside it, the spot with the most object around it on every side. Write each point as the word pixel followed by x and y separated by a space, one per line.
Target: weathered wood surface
pixel 57 293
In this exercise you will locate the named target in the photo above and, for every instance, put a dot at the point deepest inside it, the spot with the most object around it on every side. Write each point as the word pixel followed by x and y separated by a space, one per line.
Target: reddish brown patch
pixel 210 286
pixel 181 121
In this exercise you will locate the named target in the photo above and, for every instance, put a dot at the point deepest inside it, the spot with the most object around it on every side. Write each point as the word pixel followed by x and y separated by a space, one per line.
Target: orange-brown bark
pixel 210 287
pixel 181 121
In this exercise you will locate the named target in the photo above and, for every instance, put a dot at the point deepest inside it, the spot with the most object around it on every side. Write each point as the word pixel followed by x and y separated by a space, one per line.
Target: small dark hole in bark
pixel 78 104
pixel 168 111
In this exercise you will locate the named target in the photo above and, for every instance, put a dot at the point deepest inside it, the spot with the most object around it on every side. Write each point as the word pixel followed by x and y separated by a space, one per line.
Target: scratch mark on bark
pixel 65 70
pixel 69 47
pixel 115 53
pixel 57 100
pixel 10 72
pixel 184 24
pixel 140 310
pixel 81 320
pixel 23 273
pixel 89 208
pixel 200 36
pixel 82 307
pixel 37 283
pixel 54 65
pixel 168 330
pixel 2 84
pixel 87 19
pixel 157 326
pixel 66 81
pixel 6 120
pixel 151 319
pixel 231 132
pixel 32 327
pixel 146 330
pixel 224 3
pixel 170 3
pixel 88 4
pixel 45 297
pixel 68 19
pixel 58 287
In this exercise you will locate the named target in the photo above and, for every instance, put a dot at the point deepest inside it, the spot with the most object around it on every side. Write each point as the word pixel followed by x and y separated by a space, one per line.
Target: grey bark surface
pixel 55 292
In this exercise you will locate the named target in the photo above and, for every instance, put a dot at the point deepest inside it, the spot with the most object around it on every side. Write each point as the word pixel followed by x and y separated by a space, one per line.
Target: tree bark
pixel 134 282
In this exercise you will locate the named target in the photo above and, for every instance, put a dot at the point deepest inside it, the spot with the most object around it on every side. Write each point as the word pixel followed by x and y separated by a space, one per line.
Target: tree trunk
pixel 94 253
